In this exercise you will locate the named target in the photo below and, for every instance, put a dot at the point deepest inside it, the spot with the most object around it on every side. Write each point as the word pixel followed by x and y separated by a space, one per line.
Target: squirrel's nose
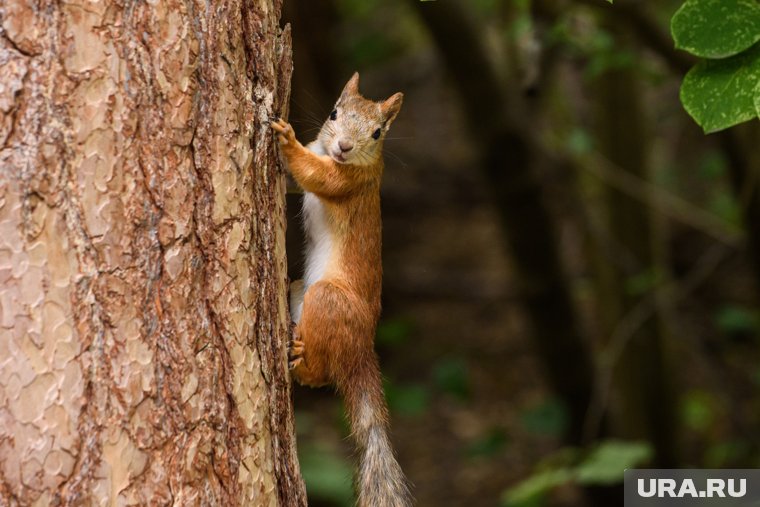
pixel 345 145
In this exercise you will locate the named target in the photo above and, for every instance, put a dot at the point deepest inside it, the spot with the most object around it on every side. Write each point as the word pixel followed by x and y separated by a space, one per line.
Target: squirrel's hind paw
pixel 295 353
pixel 292 365
pixel 295 349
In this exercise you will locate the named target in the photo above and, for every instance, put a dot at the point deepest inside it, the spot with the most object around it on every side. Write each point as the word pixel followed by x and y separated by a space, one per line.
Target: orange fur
pixel 339 313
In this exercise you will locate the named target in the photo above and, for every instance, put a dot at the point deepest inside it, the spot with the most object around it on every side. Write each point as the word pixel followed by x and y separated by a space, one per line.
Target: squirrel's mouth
pixel 338 157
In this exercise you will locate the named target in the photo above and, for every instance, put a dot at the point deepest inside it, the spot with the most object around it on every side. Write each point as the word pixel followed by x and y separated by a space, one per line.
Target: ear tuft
pixel 391 107
pixel 352 87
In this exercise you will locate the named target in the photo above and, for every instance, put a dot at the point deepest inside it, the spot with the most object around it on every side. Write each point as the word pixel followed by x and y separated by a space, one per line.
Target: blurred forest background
pixel 571 265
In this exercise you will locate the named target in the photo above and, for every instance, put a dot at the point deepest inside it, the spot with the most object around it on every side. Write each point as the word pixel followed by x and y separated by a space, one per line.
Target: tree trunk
pixel 143 316
pixel 645 398
pixel 739 145
pixel 512 164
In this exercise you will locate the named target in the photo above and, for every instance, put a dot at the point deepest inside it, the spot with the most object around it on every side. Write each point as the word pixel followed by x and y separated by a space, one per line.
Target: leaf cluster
pixel 723 89
pixel 602 465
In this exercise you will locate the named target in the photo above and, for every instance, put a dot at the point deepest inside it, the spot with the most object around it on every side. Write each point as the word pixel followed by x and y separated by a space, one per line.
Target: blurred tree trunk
pixel 737 143
pixel 740 146
pixel 645 403
pixel 144 318
pixel 512 164
pixel 318 78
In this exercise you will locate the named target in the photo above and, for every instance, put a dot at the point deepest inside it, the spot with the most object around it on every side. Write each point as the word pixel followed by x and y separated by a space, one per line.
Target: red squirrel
pixel 336 306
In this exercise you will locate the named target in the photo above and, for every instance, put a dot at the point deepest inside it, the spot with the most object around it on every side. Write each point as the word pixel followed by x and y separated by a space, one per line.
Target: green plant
pixel 327 474
pixel 723 89
pixel 602 465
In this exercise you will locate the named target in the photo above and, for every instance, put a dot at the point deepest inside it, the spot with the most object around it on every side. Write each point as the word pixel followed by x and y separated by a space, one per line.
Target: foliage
pixel 489 444
pixel 607 462
pixel 725 454
pixel 643 282
pixel 327 475
pixel 451 376
pixel 724 88
pixel 698 410
pixel 407 399
pixel 716 28
pixel 547 418
pixel 326 472
pixel 393 332
pixel 603 465
pixel 733 319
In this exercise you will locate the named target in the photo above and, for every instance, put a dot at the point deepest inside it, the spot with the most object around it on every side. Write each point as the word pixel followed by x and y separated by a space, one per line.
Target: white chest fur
pixel 319 243
pixel 318 240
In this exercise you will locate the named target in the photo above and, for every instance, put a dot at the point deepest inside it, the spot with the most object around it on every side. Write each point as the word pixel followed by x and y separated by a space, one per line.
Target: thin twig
pixel 657 197
pixel 669 294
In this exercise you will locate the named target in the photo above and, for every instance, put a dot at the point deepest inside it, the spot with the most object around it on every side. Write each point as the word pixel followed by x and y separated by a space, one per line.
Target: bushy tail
pixel 380 481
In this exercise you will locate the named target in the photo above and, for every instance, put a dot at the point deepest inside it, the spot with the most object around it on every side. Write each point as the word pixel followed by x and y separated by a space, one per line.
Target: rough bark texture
pixel 143 317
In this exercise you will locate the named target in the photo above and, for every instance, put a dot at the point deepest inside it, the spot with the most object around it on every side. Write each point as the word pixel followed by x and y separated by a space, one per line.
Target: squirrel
pixel 335 308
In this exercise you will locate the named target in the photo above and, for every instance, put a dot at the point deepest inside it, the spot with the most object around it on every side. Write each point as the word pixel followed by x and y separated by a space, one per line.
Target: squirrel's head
pixel 355 130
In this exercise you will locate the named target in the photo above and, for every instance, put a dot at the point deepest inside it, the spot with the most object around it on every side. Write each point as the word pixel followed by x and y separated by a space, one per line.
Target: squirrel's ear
pixel 352 87
pixel 391 107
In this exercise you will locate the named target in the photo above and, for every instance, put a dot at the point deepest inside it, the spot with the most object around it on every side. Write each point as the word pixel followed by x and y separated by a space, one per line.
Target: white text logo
pixel 716 488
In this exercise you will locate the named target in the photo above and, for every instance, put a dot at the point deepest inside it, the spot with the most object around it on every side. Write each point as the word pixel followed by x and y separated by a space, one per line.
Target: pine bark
pixel 143 314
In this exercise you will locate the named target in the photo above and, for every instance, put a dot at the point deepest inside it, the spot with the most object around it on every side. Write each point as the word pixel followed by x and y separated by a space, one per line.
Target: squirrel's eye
pixel 376 134
pixel 334 115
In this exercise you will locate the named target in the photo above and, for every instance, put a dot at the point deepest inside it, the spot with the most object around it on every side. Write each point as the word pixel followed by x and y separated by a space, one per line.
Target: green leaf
pixel 698 410
pixel 327 475
pixel 722 93
pixel 724 204
pixel 489 444
pixel 452 377
pixel 394 331
pixel 716 28
pixel 643 282
pixel 580 141
pixel 408 399
pixel 529 492
pixel 606 463
pixel 724 454
pixel 757 98
pixel 713 165
pixel 737 319
pixel 548 418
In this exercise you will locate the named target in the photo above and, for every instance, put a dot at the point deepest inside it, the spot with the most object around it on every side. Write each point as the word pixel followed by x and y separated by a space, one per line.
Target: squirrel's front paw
pixel 285 132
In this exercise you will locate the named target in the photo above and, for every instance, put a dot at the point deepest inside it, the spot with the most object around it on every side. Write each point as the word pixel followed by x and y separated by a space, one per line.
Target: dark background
pixel 571 267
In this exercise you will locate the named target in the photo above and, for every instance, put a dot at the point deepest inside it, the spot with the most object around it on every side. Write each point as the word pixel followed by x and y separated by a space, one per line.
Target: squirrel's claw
pixel 294 363
pixel 284 130
pixel 295 352
pixel 296 349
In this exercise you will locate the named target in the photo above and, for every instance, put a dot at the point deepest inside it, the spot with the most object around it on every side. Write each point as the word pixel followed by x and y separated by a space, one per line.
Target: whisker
pixel 309 122
pixel 308 108
pixel 397 158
